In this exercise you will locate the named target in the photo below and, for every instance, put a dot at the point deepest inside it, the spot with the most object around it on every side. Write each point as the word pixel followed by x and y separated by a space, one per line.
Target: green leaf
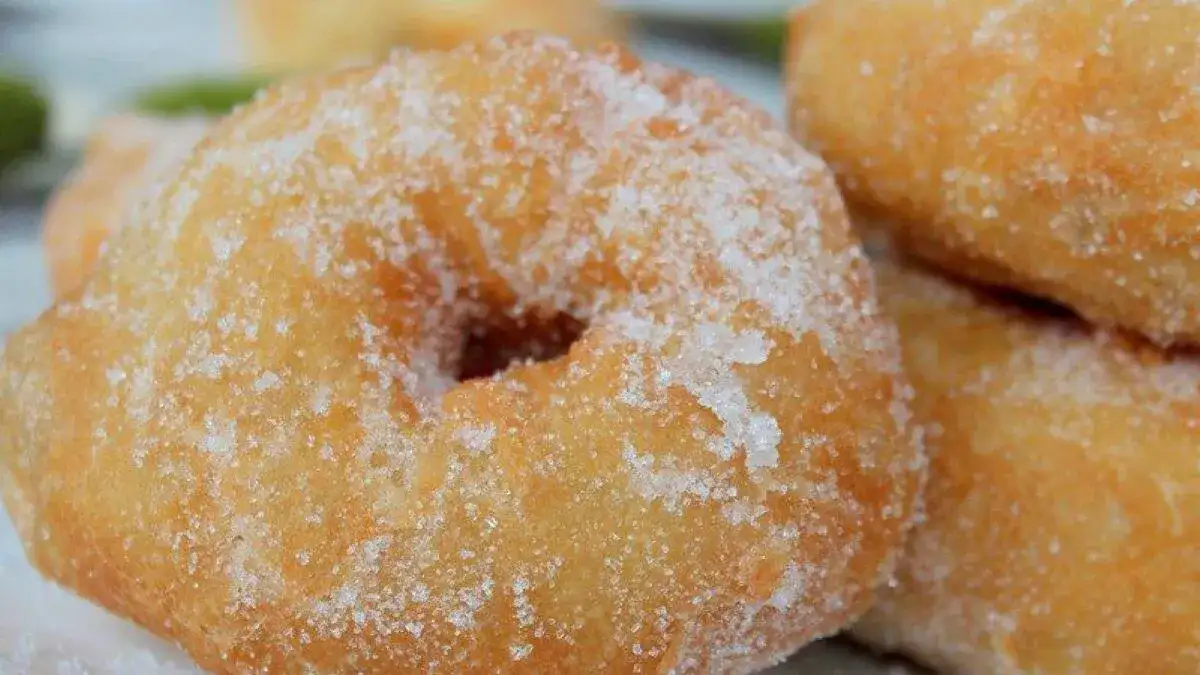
pixel 24 119
pixel 762 40
pixel 210 96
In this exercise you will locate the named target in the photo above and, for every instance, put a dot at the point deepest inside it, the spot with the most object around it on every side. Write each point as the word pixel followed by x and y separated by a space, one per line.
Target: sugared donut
pixel 124 160
pixel 1062 516
pixel 1042 145
pixel 249 431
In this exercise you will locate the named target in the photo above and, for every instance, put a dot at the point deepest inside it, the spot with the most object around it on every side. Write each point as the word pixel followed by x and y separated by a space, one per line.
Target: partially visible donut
pixel 1048 146
pixel 249 430
pixel 124 161
pixel 317 34
pixel 1062 516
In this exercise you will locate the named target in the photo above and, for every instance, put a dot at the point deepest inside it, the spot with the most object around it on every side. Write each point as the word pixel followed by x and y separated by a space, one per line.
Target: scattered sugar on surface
pixel 520 652
pixel 322 398
pixel 266 382
pixel 1091 372
pixel 666 483
pixel 704 368
pixel 220 437
pixel 790 589
pixel 476 439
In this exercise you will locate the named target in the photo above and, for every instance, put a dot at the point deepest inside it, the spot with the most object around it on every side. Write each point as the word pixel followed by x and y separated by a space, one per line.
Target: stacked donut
pixel 508 358
pixel 1043 147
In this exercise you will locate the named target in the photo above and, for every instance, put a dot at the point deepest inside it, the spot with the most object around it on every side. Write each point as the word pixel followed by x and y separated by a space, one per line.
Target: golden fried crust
pixel 123 163
pixel 1044 145
pixel 246 433
pixel 291 36
pixel 1062 528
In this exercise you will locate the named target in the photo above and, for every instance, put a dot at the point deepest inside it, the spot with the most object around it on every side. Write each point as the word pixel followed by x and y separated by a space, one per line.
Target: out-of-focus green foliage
pixel 212 96
pixel 24 119
pixel 762 40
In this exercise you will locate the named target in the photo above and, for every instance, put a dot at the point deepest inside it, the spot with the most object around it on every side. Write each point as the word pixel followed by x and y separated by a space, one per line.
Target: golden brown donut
pixel 1042 145
pixel 124 161
pixel 1062 515
pixel 251 432
pixel 315 34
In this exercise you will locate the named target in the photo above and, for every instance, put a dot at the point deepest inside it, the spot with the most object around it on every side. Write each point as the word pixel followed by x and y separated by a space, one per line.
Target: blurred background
pixel 68 65
pixel 90 58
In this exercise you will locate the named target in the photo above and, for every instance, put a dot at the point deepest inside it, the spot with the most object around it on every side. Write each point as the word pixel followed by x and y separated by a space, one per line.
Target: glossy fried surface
pixel 125 159
pixel 247 430
pixel 1062 515
pixel 1043 145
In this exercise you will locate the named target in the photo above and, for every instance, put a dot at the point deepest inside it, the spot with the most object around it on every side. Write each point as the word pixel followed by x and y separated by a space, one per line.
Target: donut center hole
pixel 499 343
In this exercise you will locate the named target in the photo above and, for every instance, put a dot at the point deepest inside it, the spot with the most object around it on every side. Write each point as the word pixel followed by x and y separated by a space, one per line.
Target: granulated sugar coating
pixel 126 158
pixel 1045 145
pixel 1062 521
pixel 248 430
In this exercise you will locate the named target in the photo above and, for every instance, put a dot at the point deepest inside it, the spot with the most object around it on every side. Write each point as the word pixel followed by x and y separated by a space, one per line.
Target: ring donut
pixel 250 430
pixel 1045 146
pixel 1062 516
pixel 124 160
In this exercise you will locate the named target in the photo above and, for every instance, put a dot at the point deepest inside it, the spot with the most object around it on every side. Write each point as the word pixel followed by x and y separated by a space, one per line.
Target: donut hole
pixel 493 345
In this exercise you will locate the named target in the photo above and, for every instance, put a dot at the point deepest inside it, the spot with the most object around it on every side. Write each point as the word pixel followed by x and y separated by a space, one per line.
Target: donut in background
pixel 1061 529
pixel 1047 146
pixel 284 35
pixel 125 160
